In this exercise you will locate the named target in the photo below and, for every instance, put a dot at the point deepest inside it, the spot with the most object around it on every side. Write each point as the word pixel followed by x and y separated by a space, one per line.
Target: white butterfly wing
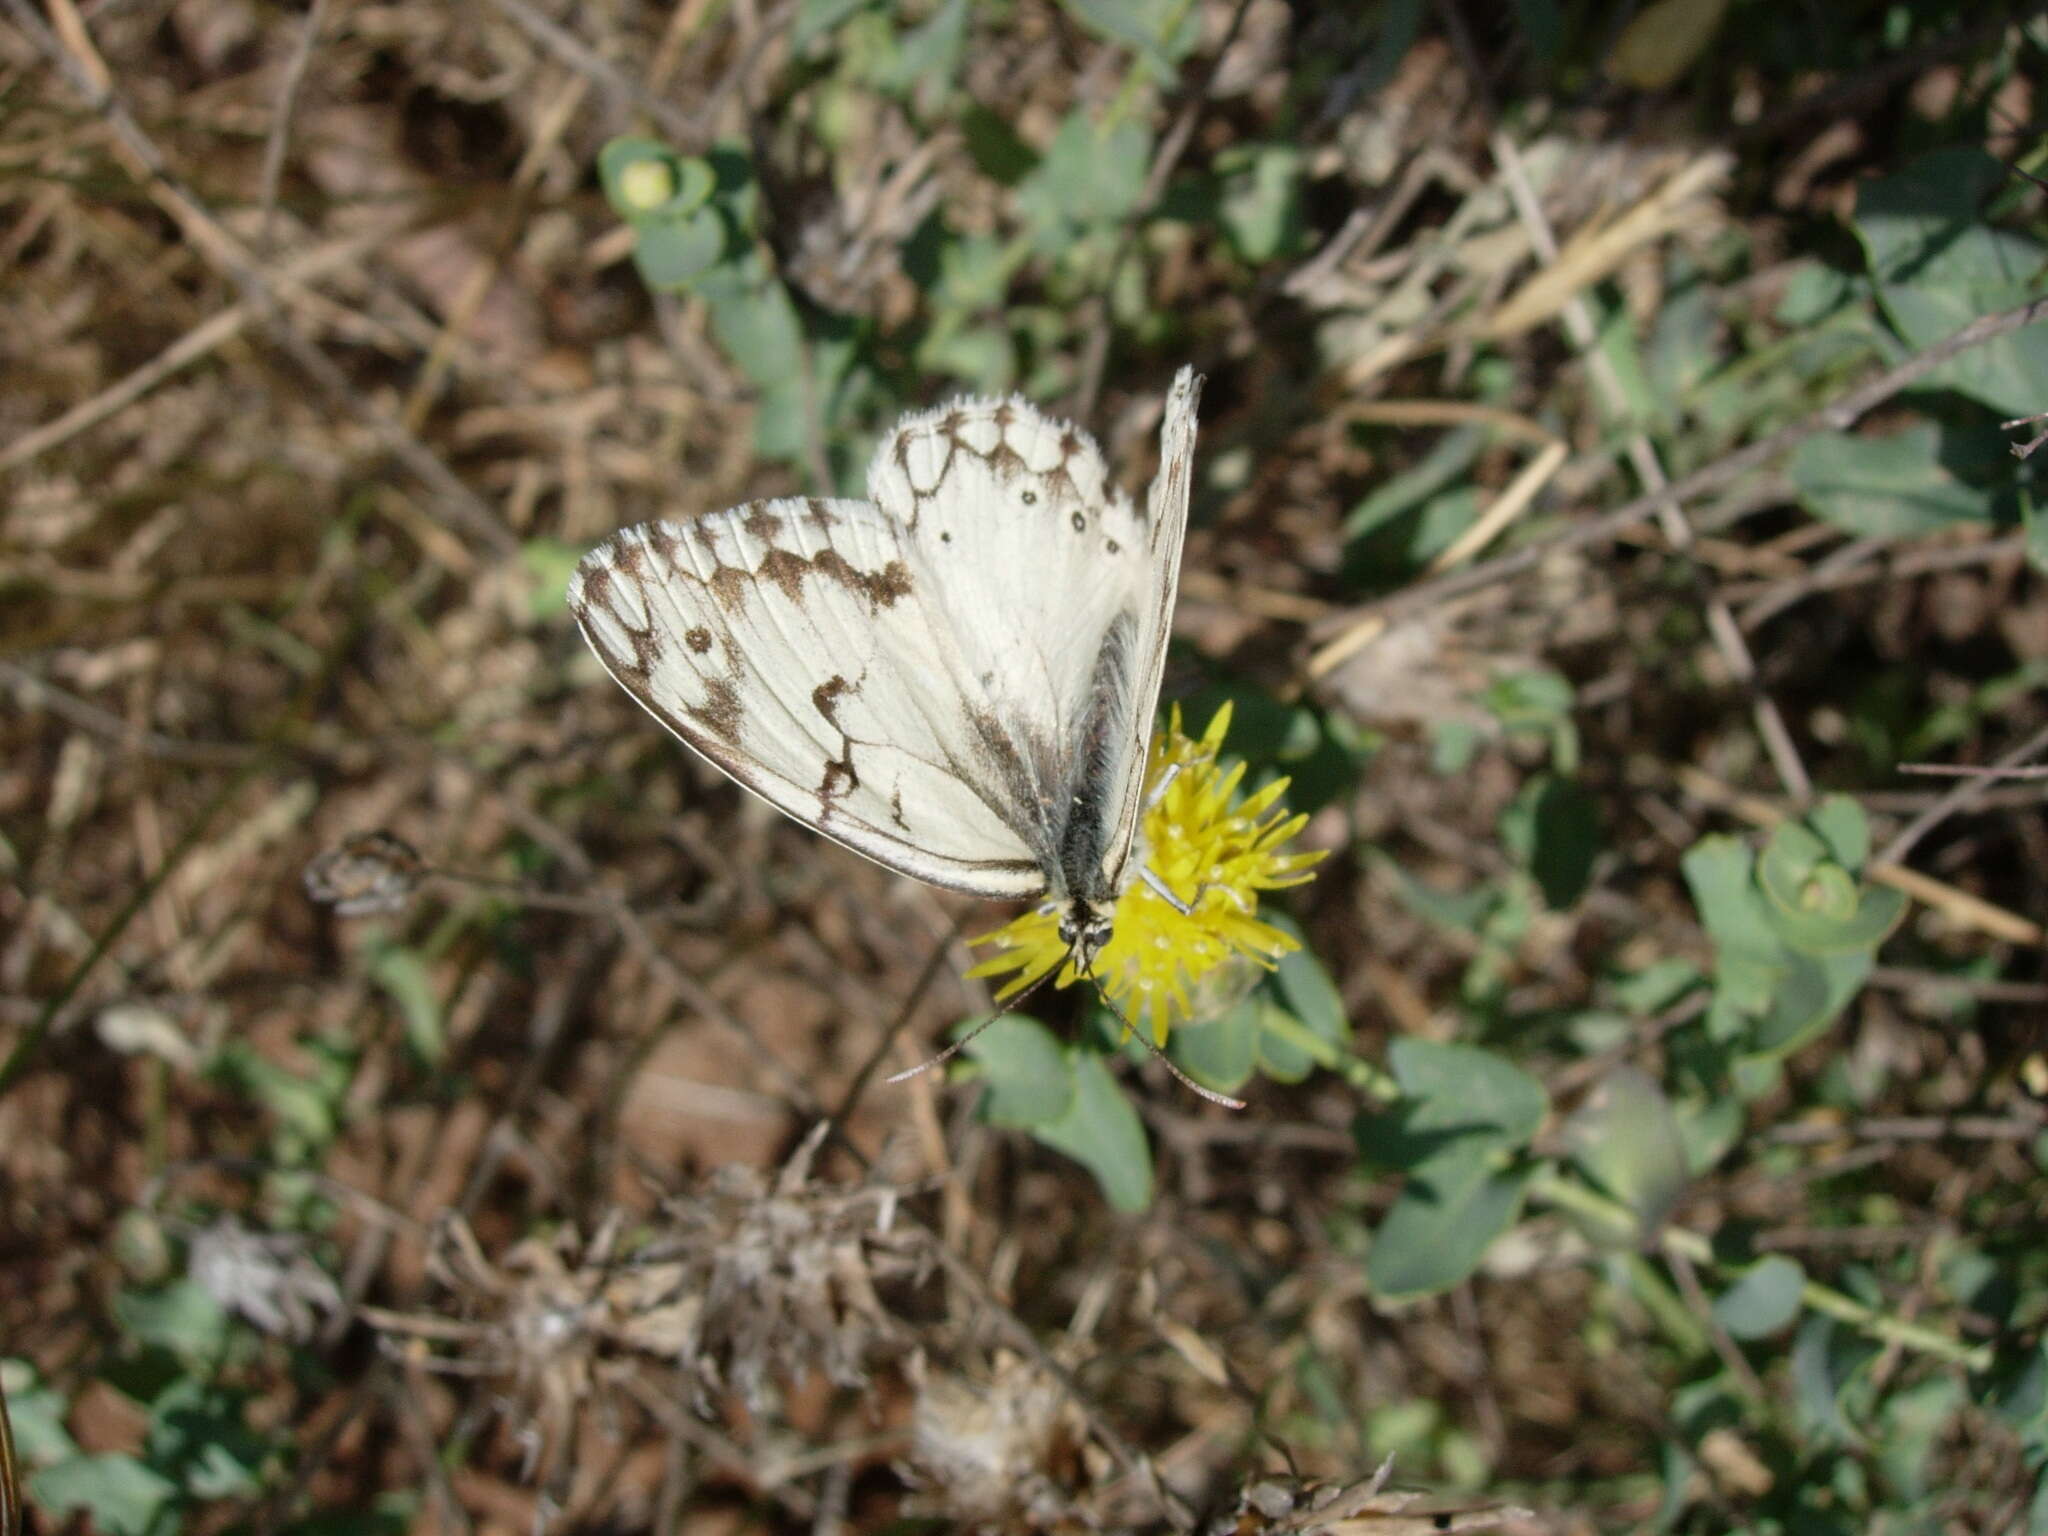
pixel 1166 519
pixel 936 678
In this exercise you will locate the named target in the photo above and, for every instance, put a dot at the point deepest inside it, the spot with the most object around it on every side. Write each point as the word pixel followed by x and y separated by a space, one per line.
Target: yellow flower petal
pixel 1215 853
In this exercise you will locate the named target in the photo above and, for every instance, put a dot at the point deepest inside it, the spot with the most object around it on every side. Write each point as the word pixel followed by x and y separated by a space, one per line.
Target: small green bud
pixel 646 184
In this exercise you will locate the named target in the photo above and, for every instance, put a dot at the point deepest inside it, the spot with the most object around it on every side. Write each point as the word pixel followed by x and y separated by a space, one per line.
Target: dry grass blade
pixel 1593 254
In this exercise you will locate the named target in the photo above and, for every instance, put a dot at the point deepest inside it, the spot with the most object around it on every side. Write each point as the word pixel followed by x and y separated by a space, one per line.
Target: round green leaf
pixel 1839 822
pixel 1865 927
pixel 671 253
pixel 1029 1084
pixel 1101 1132
pixel 1430 1240
pixel 1218 1053
pixel 1764 1299
pixel 1627 1139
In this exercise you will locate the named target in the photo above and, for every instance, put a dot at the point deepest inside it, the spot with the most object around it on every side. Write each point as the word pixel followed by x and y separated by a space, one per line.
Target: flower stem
pixel 1569 1194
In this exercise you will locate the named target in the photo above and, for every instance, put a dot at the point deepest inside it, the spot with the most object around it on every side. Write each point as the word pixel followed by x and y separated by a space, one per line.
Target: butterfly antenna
pixel 1164 1060
pixel 968 1039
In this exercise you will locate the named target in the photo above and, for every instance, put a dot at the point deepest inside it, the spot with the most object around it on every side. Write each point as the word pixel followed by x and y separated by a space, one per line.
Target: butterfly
pixel 954 677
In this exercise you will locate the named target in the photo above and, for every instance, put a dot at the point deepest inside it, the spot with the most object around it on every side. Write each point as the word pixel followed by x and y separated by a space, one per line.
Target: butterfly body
pixel 954 677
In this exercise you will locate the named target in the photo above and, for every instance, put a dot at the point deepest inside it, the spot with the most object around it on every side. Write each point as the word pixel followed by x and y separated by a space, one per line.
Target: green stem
pixel 1568 1194
pixel 1331 1057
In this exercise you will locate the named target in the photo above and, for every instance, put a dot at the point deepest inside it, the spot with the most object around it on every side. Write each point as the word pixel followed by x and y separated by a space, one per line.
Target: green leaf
pixel 756 323
pixel 1307 988
pixel 1287 1046
pixel 1791 857
pixel 123 1497
pixel 1457 911
pixel 998 153
pixel 1101 1132
pixel 1090 176
pixel 1840 823
pixel 1445 465
pixel 1885 487
pixel 404 976
pixel 1530 700
pixel 673 253
pixel 200 1433
pixel 1462 1110
pixel 1467 1085
pixel 1878 911
pixel 1938 266
pixel 1913 1422
pixel 1553 829
pixel 1747 954
pixel 983 356
pixel 1826 1357
pixel 306 1106
pixel 2019 1390
pixel 181 1317
pixel 1029 1081
pixel 37 1412
pixel 1161 32
pixel 1627 1140
pixel 928 55
pixel 1656 986
pixel 1260 207
pixel 1219 1053
pixel 1710 1129
pixel 1431 1240
pixel 1814 904
pixel 1810 991
pixel 1763 1299
pixel 814 18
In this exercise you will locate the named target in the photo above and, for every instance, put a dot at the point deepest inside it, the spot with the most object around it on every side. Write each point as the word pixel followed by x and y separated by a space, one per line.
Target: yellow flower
pixel 1214 853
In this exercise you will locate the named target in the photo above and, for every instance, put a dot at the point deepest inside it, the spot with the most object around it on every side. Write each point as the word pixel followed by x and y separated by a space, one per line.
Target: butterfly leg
pixel 1165 893
pixel 1165 783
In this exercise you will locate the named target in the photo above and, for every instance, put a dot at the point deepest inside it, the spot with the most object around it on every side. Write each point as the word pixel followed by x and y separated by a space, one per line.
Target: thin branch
pixel 281 124
pixel 1961 798
pixel 1864 561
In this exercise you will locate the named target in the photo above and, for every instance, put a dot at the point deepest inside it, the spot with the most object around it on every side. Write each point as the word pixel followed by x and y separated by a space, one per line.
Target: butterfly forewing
pixel 955 678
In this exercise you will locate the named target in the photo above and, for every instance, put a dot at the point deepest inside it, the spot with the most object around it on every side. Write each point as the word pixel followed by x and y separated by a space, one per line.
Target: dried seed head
pixel 267 1278
pixel 369 873
pixel 785 1273
pixel 1005 1451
